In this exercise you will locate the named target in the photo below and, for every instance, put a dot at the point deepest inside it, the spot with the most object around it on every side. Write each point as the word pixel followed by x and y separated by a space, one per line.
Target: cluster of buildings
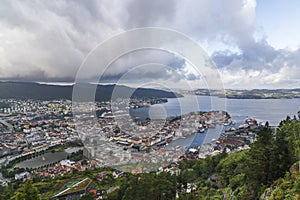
pixel 230 141
pixel 145 102
pixel 56 169
pixel 28 126
pixel 59 169
pixel 118 142
pixel 111 136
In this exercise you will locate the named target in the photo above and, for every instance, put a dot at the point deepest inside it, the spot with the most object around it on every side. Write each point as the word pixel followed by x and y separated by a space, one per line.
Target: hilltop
pixel 36 91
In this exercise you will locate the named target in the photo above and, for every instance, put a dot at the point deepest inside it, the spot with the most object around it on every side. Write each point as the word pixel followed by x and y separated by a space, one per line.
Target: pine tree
pixel 258 163
pixel 281 155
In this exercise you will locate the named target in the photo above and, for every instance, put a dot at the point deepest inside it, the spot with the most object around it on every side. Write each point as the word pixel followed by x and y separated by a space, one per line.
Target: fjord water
pixel 271 110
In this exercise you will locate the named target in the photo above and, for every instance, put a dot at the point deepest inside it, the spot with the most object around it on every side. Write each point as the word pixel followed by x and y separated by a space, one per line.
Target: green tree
pixel 151 186
pixel 186 196
pixel 88 196
pixel 27 192
pixel 281 155
pixel 258 163
pixel 291 128
pixel 231 166
pixel 5 192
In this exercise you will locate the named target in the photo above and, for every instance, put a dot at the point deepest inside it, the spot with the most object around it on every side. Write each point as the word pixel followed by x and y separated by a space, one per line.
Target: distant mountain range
pixel 36 91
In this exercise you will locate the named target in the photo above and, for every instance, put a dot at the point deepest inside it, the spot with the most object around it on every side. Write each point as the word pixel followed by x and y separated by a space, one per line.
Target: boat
pixel 225 123
pixel 230 129
pixel 202 130
pixel 243 126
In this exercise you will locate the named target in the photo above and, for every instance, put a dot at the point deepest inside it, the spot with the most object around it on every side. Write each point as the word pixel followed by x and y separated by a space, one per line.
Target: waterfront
pixel 103 131
pixel 272 110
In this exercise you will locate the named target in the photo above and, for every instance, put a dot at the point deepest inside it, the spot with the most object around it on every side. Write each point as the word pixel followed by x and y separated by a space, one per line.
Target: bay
pixel 271 110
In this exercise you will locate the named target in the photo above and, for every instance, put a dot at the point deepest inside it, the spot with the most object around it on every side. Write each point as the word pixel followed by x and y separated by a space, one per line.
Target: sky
pixel 279 21
pixel 254 44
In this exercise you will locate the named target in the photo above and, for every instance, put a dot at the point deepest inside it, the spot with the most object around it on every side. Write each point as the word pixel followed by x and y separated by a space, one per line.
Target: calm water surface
pixel 45 159
pixel 272 110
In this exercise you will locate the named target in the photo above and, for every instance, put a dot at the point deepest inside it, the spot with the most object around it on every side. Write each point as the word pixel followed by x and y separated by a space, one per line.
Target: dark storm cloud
pixel 140 63
pixel 150 13
pixel 48 40
pixel 252 56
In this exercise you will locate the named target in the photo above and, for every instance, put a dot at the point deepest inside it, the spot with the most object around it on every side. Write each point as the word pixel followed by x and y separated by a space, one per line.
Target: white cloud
pixel 47 41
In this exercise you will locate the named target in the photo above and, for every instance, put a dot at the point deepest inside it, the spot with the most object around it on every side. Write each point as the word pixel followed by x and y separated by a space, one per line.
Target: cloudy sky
pixel 254 44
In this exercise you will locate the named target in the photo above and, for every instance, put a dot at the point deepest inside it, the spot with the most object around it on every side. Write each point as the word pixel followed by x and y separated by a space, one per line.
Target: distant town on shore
pixel 249 94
